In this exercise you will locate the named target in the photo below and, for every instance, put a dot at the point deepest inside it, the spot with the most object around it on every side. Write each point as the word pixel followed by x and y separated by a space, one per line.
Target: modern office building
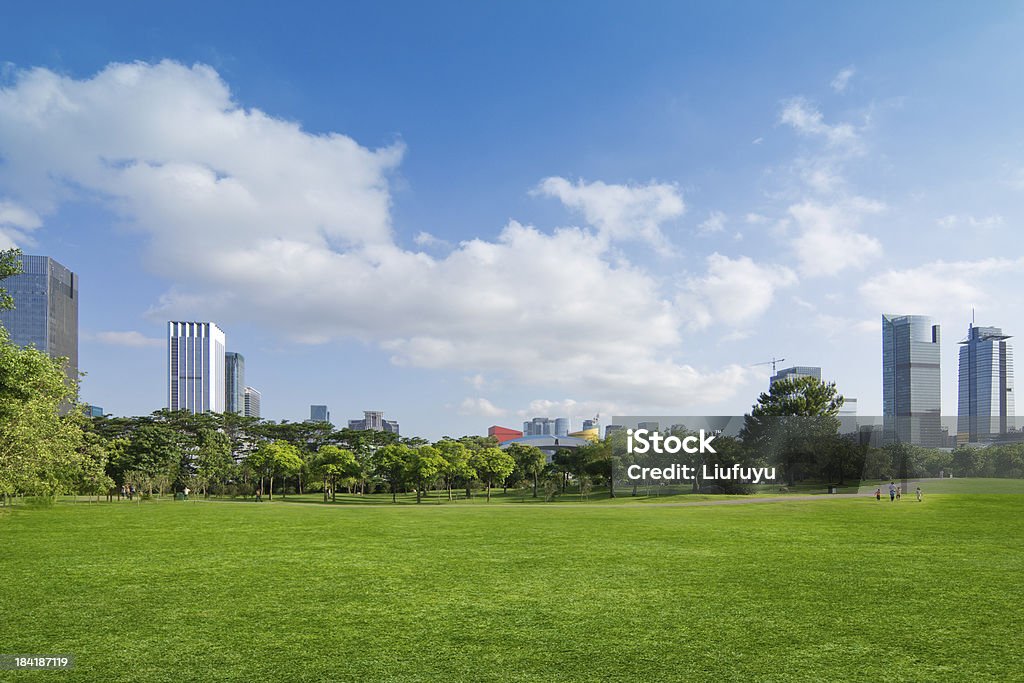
pixel 546 426
pixel 234 382
pixel 795 372
pixel 195 361
pixel 373 420
pixel 911 390
pixel 45 313
pixel 985 398
pixel 319 414
pixel 649 426
pixel 589 424
pixel 251 402
pixel 611 429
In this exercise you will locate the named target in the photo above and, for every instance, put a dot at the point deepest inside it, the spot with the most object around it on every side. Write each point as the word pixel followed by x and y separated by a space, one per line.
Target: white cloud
pixel 129 338
pixel 967 220
pixel 733 291
pixel 425 239
pixel 480 406
pixel 945 288
pixel 715 222
pixel 755 218
pixel 257 220
pixel 842 79
pixel 807 119
pixel 619 212
pixel 828 242
pixel 15 222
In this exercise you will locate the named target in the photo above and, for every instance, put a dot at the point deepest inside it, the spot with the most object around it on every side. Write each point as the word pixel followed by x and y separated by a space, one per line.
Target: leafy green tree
pixel 213 461
pixel 425 466
pixel 10 264
pixel 91 474
pixel 456 464
pixel 39 441
pixel 492 464
pixel 791 421
pixel 154 448
pixel 333 463
pixel 392 465
pixel 273 459
pixel 529 460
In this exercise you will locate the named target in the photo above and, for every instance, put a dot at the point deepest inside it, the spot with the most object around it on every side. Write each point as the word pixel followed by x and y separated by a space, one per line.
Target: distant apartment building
pixel 611 429
pixel 589 424
pixel 195 361
pixel 45 313
pixel 911 390
pixel 251 402
pixel 985 406
pixel 546 426
pixel 373 420
pixel 319 413
pixel 234 382
pixel 796 372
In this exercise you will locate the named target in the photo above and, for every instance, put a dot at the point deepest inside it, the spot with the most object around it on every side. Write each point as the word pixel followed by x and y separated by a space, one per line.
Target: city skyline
pixel 446 226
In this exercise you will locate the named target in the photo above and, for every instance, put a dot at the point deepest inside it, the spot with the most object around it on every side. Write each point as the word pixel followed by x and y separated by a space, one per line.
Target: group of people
pixel 896 492
pixel 128 491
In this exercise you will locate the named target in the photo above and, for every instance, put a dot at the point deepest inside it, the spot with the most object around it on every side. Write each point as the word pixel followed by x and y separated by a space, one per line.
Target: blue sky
pixel 473 214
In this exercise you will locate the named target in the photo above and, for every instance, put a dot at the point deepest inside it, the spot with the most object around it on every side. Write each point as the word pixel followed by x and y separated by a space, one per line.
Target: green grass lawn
pixel 841 589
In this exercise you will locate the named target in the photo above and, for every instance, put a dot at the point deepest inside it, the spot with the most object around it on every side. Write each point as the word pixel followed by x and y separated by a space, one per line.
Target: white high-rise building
pixel 195 361
pixel 252 402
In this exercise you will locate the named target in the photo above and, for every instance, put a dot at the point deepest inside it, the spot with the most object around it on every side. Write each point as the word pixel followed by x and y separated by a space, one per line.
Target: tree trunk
pixel 325 489
pixel 488 490
pixel 271 487
pixel 534 484
pixel 419 494
pixel 394 492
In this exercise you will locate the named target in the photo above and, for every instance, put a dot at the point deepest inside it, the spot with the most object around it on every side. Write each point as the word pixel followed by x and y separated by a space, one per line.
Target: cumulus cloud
pixel 255 219
pixel 733 291
pixel 129 338
pixel 945 287
pixel 480 406
pixel 619 212
pixel 842 79
pixel 969 221
pixel 807 119
pixel 828 241
pixel 715 222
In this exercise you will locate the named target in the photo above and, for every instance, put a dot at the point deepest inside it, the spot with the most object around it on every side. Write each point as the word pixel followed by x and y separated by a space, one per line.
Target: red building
pixel 503 434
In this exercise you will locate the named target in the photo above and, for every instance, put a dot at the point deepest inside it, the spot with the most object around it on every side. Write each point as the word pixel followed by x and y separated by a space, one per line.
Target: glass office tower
pixel 985 385
pixel 234 382
pixel 911 392
pixel 45 313
pixel 195 361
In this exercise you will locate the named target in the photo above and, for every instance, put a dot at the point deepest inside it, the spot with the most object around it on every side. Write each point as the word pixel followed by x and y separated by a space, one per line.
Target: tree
pixel 272 459
pixel 213 459
pixel 456 464
pixel 333 463
pixel 392 465
pixel 154 448
pixel 492 464
pixel 529 460
pixel 38 444
pixel 10 264
pixel 789 423
pixel 425 465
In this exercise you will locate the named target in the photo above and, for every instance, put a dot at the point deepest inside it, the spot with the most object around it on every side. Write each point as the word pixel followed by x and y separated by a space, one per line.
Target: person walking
pixel 918 494
pixel 259 495
pixel 892 492
pixel 878 493
pixel 899 491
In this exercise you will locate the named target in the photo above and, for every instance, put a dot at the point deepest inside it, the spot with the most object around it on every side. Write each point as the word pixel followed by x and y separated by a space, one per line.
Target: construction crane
pixel 771 362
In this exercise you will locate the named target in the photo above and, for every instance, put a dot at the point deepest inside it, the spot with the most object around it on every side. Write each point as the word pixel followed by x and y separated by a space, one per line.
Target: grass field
pixel 841 589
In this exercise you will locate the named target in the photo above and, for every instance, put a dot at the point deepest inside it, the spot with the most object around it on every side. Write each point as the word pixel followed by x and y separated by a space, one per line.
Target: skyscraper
pixel 985 396
pixel 319 413
pixel 45 313
pixel 911 393
pixel 252 402
pixel 195 361
pixel 234 382
pixel 374 420
pixel 797 371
